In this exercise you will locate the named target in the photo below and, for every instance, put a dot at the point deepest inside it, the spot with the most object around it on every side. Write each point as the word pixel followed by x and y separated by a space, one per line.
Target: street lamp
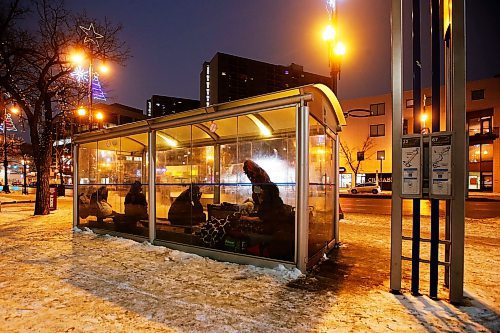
pixel 90 38
pixel 381 157
pixel 98 117
pixel 13 110
pixel 336 49
pixel 423 119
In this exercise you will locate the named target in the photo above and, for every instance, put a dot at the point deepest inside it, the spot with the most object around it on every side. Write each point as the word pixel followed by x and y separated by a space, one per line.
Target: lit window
pixel 223 73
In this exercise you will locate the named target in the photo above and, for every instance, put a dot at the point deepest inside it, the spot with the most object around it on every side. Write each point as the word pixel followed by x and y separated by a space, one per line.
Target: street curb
pixel 17 202
pixel 386 196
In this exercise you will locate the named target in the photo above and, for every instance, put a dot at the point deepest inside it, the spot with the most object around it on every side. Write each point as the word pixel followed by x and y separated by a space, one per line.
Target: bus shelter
pixel 254 181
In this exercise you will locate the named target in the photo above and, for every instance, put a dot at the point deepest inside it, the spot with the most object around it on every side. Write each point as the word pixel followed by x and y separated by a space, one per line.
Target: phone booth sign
pixel 53 199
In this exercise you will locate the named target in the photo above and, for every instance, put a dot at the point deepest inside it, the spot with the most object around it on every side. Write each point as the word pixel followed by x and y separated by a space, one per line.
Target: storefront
pixel 250 181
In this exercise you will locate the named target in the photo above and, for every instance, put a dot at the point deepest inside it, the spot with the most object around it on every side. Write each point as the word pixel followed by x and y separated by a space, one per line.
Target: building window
pixel 377 130
pixel 477 94
pixel 427 100
pixel 409 103
pixel 381 155
pixel 377 109
pixel 405 126
pixel 478 126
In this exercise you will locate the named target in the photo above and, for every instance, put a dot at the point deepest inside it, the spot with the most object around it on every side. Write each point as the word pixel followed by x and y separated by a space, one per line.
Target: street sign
pixel 440 165
pixel 342 169
pixel 411 166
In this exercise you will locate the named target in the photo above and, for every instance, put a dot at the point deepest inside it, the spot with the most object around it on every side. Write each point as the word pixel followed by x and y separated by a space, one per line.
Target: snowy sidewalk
pixel 55 280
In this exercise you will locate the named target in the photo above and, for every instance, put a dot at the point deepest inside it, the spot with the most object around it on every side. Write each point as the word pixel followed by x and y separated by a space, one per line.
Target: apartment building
pixel 483 123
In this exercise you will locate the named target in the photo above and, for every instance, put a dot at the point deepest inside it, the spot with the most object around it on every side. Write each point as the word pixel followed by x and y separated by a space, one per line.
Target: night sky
pixel 169 41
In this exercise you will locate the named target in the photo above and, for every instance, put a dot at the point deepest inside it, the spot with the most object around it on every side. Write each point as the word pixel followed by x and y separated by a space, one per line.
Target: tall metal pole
pixel 397 129
pixel 5 146
pixel 436 114
pixel 459 154
pixel 417 67
pixel 25 189
pixel 91 97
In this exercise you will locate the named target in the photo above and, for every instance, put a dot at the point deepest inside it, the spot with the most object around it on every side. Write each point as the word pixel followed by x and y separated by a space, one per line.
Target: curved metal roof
pixel 322 102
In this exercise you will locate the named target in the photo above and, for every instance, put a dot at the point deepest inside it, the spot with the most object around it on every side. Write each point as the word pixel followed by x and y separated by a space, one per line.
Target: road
pixel 473 209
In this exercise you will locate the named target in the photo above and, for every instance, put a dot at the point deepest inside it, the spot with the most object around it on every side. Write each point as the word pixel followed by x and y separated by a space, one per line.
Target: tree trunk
pixel 43 187
pixel 42 154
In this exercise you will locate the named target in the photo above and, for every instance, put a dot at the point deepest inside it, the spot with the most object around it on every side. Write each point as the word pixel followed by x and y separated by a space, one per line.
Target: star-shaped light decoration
pixel 91 35
pixel 80 74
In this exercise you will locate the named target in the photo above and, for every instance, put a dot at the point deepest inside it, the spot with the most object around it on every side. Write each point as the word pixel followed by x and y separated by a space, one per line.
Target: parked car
pixel 17 183
pixel 366 188
pixel 32 184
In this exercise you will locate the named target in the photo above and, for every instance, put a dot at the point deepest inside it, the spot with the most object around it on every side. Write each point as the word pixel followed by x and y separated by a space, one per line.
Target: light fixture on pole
pixel 13 110
pixel 336 49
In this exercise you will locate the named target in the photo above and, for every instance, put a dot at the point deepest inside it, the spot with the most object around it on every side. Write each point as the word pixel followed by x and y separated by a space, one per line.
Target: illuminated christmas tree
pixel 10 124
pixel 97 91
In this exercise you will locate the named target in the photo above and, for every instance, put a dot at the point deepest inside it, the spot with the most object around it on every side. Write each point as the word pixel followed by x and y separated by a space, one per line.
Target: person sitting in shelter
pixel 136 206
pixel 99 205
pixel 277 220
pixel 187 210
pixel 257 176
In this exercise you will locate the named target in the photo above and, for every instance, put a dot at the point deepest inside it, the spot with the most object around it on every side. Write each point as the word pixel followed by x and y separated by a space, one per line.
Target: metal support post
pixel 152 184
pixel 459 154
pixel 417 111
pixel 397 109
pixel 75 184
pixel 415 248
pixel 302 174
pixel 5 187
pixel 217 173
pixel 25 185
pixel 436 104
pixel 336 196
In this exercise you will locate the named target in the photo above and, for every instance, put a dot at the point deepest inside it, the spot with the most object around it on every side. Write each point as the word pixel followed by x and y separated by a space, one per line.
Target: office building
pixel 483 123
pixel 158 106
pixel 227 78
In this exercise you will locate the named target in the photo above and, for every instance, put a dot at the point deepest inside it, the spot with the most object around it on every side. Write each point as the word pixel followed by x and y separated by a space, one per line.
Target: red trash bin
pixel 53 199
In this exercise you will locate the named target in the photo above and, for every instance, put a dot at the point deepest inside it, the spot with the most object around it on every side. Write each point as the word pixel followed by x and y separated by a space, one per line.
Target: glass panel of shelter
pixel 321 186
pixel 113 195
pixel 209 171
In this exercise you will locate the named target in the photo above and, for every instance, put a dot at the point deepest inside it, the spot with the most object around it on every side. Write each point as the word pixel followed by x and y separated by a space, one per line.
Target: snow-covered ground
pixel 55 279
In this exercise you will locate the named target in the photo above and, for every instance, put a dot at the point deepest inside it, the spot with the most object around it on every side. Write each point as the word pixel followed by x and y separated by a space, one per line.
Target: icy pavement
pixel 55 279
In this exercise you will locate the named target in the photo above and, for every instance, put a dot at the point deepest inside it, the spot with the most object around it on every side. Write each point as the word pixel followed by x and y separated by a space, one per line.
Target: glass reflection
pixel 204 197
pixel 112 194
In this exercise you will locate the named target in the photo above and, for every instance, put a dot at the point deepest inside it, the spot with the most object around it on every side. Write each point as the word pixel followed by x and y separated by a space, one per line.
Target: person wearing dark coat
pixel 257 177
pixel 136 206
pixel 187 209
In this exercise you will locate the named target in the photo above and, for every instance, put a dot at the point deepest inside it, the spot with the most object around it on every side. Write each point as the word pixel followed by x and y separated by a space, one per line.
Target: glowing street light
pixel 77 58
pixel 340 49
pixel 423 119
pixel 81 112
pixel 99 116
pixel 336 49
pixel 103 68
pixel 329 34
